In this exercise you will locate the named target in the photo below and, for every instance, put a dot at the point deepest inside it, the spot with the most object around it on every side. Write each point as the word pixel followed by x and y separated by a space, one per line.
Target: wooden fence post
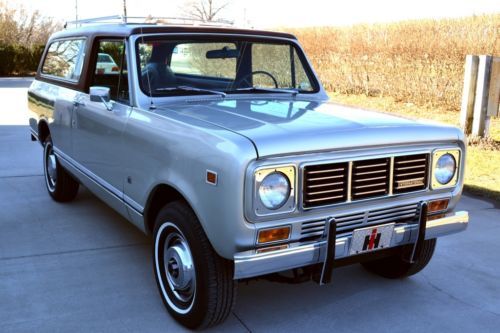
pixel 470 79
pixel 481 120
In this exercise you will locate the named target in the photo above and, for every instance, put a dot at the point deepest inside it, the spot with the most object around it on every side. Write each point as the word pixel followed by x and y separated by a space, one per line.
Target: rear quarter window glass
pixel 64 59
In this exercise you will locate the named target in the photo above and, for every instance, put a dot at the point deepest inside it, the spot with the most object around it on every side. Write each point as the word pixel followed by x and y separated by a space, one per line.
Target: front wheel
pixel 196 285
pixel 396 267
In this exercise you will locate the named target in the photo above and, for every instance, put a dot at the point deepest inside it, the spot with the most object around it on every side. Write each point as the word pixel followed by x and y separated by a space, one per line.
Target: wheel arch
pixel 161 195
pixel 43 131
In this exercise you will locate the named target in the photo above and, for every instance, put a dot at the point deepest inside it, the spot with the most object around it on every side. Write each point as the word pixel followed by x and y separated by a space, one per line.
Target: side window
pixel 192 59
pixel 110 69
pixel 65 59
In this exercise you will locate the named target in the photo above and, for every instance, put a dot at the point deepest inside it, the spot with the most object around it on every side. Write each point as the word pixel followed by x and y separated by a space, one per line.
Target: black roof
pixel 125 30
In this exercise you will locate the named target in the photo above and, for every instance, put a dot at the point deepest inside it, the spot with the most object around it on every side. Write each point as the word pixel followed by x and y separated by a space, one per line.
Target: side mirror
pixel 101 94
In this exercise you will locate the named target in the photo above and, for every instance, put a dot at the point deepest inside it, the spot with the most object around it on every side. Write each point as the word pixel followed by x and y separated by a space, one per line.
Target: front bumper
pixel 279 258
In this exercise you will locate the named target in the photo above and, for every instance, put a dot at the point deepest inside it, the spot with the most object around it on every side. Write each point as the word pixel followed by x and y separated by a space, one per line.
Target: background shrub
pixel 420 61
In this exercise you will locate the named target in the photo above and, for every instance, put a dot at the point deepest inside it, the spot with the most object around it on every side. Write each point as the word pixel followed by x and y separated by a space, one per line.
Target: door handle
pixel 78 103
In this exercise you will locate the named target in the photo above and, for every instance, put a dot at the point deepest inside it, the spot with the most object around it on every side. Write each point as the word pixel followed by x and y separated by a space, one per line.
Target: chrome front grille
pixel 325 184
pixel 332 183
pixel 370 178
pixel 349 222
pixel 410 173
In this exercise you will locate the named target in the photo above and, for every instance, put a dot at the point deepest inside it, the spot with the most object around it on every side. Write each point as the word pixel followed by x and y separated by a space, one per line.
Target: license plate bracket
pixel 371 239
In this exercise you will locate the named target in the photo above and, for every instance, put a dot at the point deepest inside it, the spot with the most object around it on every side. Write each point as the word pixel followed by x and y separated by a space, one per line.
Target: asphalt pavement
pixel 80 267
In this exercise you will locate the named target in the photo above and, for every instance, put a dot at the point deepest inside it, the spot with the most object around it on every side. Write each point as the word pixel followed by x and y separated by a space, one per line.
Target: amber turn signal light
pixel 437 205
pixel 435 217
pixel 273 235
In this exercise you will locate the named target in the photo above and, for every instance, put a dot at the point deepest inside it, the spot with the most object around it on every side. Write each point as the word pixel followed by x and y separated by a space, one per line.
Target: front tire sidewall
pixel 194 315
pixel 161 279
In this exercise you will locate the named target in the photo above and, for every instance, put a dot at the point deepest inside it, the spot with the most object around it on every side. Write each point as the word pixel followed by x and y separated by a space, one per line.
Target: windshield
pixel 174 67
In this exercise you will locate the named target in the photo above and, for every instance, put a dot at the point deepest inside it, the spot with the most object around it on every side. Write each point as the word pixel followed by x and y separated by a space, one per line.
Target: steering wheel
pixel 245 78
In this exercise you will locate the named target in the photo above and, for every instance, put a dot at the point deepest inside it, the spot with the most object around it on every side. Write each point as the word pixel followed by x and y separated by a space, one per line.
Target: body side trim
pixel 101 182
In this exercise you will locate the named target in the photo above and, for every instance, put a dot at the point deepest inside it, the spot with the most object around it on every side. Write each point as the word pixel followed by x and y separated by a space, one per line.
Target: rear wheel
pixel 196 285
pixel 396 267
pixel 60 184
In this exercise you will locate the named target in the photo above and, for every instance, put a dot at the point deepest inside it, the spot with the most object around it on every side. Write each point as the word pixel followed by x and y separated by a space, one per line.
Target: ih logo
pixel 372 241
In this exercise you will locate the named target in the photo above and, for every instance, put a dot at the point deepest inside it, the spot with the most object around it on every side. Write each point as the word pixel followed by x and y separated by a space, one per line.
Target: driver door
pixel 98 126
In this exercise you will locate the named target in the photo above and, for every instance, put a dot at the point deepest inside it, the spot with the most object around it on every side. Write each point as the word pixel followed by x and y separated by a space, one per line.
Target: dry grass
pixel 412 61
pixel 482 173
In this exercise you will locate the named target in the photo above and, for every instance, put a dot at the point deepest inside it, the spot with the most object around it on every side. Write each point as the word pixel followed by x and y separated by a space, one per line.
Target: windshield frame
pixel 220 38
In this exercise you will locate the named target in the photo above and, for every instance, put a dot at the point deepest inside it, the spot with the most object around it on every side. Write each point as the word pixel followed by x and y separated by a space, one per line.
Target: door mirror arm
pixel 101 94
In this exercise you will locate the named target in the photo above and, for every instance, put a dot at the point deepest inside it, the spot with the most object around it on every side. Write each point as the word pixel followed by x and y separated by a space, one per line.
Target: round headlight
pixel 274 190
pixel 445 169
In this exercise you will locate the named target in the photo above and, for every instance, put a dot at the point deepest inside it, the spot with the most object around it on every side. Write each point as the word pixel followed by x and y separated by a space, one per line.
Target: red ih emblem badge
pixel 372 241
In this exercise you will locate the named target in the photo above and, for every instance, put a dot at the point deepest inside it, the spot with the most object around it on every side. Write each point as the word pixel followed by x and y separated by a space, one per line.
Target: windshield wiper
pixel 271 90
pixel 193 89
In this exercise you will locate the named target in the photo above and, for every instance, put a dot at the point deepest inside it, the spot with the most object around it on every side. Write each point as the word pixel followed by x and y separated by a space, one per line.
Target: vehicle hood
pixel 281 127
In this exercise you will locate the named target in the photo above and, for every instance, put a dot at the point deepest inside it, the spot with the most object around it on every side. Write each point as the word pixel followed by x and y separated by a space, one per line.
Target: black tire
pixel 396 268
pixel 212 298
pixel 61 186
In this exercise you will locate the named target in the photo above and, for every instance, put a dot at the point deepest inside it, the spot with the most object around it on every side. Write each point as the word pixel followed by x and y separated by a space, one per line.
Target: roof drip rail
pixel 148 20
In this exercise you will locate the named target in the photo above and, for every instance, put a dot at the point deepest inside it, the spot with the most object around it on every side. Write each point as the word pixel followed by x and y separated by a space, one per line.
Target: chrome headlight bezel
pixel 437 154
pixel 289 204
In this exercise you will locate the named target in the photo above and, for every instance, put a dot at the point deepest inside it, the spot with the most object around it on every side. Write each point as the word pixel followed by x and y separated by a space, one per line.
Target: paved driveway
pixel 81 267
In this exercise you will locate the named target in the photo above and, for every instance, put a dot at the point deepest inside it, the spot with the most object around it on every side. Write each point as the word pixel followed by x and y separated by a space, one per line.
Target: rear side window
pixel 65 59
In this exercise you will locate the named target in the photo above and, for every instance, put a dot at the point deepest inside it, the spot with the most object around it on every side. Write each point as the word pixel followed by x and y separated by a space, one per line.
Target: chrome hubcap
pixel 51 166
pixel 179 267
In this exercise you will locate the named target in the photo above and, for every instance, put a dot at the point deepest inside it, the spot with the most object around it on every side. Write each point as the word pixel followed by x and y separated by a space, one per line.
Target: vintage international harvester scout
pixel 221 144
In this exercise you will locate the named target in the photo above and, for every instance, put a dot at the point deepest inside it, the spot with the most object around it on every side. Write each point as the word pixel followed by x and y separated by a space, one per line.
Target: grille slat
pixel 324 171
pixel 410 173
pixel 411 161
pixel 327 184
pixel 323 178
pixel 327 191
pixel 368 179
pixel 324 185
pixel 369 172
pixel 369 185
pixel 324 199
pixel 409 167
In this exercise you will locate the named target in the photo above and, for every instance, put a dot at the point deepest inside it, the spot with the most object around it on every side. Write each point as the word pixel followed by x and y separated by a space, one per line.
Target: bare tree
pixel 19 26
pixel 204 10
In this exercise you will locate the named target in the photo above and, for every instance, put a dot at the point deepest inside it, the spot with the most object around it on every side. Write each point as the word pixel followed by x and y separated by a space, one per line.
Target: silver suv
pixel 222 145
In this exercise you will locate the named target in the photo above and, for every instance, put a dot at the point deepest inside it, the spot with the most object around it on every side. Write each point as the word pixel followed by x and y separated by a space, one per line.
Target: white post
pixel 470 79
pixel 480 124
pixel 494 94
